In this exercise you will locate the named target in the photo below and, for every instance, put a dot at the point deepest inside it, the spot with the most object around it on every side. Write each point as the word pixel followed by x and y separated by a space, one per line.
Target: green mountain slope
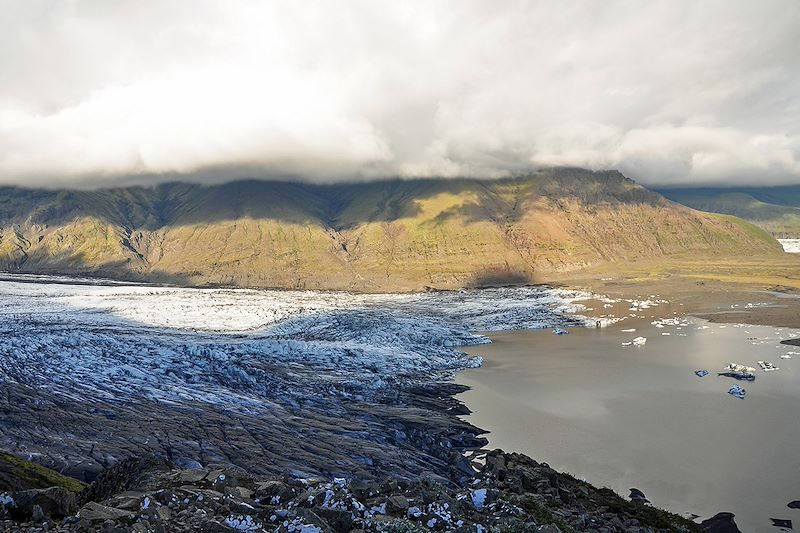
pixel 775 209
pixel 18 474
pixel 387 235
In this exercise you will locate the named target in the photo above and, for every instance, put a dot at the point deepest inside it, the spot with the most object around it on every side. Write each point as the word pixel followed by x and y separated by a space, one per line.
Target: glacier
pixel 315 383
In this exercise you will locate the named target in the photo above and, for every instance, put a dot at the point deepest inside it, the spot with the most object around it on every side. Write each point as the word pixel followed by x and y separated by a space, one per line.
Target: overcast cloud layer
pixel 670 92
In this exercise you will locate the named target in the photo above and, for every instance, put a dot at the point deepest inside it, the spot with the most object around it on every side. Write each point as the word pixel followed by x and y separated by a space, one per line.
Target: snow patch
pixel 791 246
pixel 479 498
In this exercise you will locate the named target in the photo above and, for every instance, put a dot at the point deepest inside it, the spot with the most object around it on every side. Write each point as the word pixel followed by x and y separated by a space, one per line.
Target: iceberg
pixel 736 367
pixel 742 376
pixel 737 392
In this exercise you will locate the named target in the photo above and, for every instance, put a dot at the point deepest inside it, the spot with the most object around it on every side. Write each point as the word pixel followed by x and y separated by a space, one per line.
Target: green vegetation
pixel 542 514
pixel 392 235
pixel 402 525
pixel 18 474
pixel 647 515
pixel 775 209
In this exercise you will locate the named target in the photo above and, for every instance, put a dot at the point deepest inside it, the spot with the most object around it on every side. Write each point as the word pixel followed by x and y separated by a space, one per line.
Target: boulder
pixel 339 521
pixel 94 512
pixel 362 488
pixel 54 502
pixel 397 504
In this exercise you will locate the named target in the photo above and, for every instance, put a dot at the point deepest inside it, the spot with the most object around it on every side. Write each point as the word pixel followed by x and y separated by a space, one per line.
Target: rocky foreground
pixel 509 492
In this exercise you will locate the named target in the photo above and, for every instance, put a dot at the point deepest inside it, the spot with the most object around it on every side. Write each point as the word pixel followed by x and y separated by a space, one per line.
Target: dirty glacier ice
pixel 316 383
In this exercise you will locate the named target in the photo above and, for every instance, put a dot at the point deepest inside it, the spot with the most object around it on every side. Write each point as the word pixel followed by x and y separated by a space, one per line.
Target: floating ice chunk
pixel 701 373
pixel 736 367
pixel 629 330
pixel 737 392
pixel 766 366
pixel 639 341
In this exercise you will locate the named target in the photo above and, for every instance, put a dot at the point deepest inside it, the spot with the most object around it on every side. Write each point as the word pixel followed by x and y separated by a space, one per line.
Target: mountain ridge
pixel 774 209
pixel 392 235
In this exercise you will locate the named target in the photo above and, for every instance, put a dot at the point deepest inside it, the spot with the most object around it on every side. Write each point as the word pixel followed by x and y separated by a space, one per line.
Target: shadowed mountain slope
pixel 775 209
pixel 385 235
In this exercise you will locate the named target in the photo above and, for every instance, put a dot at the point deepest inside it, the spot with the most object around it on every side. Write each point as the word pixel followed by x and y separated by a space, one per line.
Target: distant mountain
pixel 384 235
pixel 775 209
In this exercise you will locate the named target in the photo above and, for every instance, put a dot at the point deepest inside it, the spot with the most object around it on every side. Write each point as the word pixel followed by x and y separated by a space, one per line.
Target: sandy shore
pixel 716 301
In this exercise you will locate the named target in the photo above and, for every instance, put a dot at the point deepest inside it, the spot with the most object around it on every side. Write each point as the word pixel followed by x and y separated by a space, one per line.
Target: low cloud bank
pixel 670 93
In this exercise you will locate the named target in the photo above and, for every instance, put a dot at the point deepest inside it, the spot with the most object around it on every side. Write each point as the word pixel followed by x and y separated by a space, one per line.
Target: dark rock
pixel 187 463
pixel 794 505
pixel 309 517
pixel 363 488
pixel 638 496
pixel 397 504
pixel 720 523
pixel 214 526
pixel 130 474
pixel 37 515
pixel 94 512
pixel 389 486
pixel 54 502
pixel 127 501
pixel 269 489
pixel 339 521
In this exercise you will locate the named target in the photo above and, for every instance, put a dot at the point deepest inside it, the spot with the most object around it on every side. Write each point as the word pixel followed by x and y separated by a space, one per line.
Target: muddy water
pixel 639 417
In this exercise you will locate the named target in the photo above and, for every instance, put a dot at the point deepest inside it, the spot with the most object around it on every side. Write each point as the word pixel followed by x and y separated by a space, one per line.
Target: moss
pixel 647 515
pixel 542 515
pixel 17 474
pixel 401 525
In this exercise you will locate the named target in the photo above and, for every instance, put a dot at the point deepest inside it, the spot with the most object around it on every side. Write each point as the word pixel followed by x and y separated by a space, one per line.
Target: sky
pixel 669 92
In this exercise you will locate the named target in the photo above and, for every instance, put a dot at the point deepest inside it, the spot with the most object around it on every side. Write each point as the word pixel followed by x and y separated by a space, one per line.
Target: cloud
pixel 676 92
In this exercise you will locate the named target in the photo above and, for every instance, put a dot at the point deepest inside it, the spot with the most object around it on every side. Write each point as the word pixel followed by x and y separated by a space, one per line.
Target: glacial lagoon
pixel 628 416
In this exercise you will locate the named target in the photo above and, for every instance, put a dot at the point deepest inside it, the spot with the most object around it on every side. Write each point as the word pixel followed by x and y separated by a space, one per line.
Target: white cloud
pixel 669 92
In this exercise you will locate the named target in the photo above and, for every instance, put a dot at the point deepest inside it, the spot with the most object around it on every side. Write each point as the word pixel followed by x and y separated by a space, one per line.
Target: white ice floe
pixel 791 246
pixel 766 366
pixel 638 341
